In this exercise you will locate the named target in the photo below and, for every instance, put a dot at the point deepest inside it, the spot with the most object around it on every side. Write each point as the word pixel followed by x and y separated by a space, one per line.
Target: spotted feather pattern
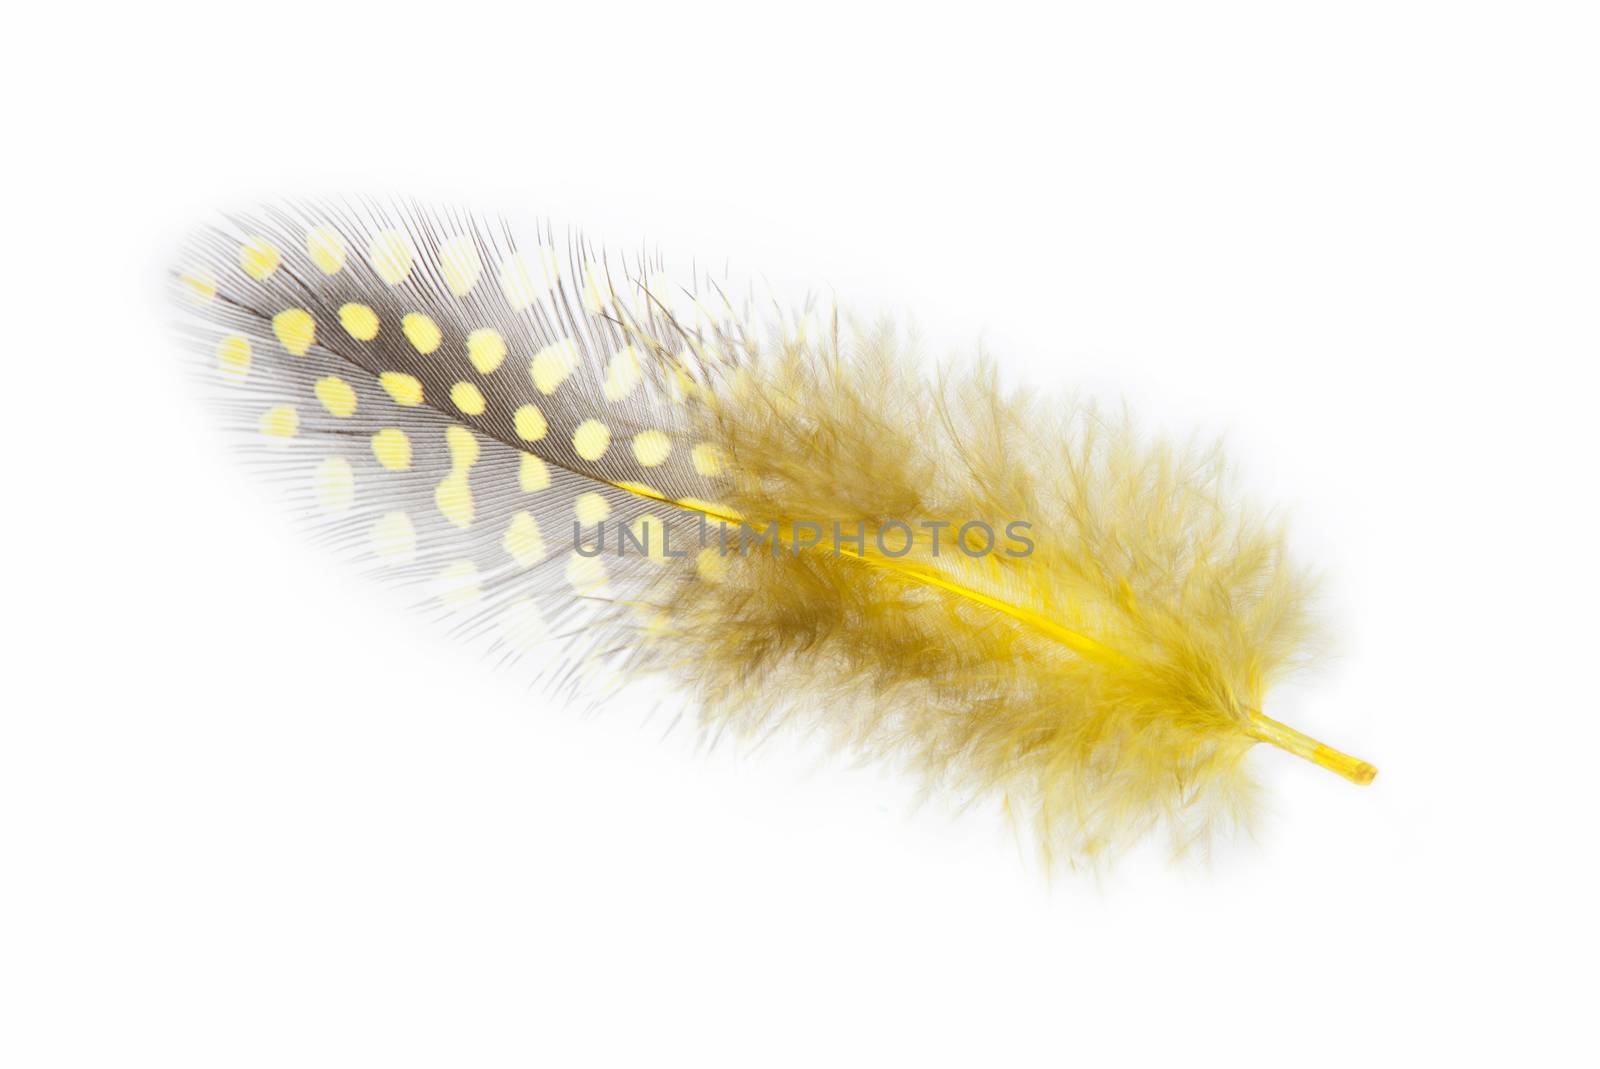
pixel 455 408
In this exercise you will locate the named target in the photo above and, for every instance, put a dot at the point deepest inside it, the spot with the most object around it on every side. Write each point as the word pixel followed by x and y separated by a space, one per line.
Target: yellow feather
pixel 1019 601
pixel 1108 682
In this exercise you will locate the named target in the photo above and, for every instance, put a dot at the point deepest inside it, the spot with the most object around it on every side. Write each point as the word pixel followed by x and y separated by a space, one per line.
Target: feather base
pixel 1287 738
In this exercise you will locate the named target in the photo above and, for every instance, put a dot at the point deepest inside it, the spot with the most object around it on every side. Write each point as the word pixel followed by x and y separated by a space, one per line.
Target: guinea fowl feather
pixel 795 524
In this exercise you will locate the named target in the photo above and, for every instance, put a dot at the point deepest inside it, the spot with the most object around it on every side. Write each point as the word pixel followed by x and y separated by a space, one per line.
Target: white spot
pixel 460 264
pixel 336 485
pixel 390 255
pixel 524 279
pixel 394 538
pixel 622 374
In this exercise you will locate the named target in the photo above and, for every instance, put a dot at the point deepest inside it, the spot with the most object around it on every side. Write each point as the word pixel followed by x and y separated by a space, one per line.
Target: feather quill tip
pixel 1287 738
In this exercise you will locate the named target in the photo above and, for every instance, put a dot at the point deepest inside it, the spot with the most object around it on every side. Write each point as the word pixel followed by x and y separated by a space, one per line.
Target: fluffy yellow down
pixel 1106 684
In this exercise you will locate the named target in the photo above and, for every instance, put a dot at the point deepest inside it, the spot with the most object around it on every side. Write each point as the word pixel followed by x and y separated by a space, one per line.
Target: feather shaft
pixel 1260 727
pixel 1287 738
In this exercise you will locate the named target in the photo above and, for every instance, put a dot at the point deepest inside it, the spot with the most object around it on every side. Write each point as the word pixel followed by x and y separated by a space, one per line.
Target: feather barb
pixel 1260 727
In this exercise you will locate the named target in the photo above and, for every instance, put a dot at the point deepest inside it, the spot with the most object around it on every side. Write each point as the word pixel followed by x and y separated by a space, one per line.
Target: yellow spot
pixel 258 258
pixel 552 364
pixel 395 538
pixel 523 281
pixel 622 374
pixel 651 533
pixel 486 349
pixel 405 389
pixel 587 575
pixel 392 448
pixel 295 329
pixel 326 249
pixel 530 424
pixel 336 396
pixel 423 332
pixel 233 357
pixel 533 476
pixel 468 398
pixel 460 265
pixel 336 485
pixel 198 286
pixel 591 508
pixel 707 459
pixel 523 540
pixel 454 498
pixel 591 439
pixel 523 624
pixel 458 583
pixel 360 322
pixel 463 447
pixel 651 448
pixel 711 565
pixel 280 421
pixel 390 255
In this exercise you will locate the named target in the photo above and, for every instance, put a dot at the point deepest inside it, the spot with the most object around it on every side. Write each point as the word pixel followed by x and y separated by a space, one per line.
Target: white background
pixel 251 817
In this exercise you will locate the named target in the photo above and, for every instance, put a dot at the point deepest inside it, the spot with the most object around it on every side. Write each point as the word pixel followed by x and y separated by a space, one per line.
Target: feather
pixel 795 524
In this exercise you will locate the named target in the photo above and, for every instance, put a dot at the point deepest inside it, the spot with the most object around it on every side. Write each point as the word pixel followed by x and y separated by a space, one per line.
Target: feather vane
pixel 1016 599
